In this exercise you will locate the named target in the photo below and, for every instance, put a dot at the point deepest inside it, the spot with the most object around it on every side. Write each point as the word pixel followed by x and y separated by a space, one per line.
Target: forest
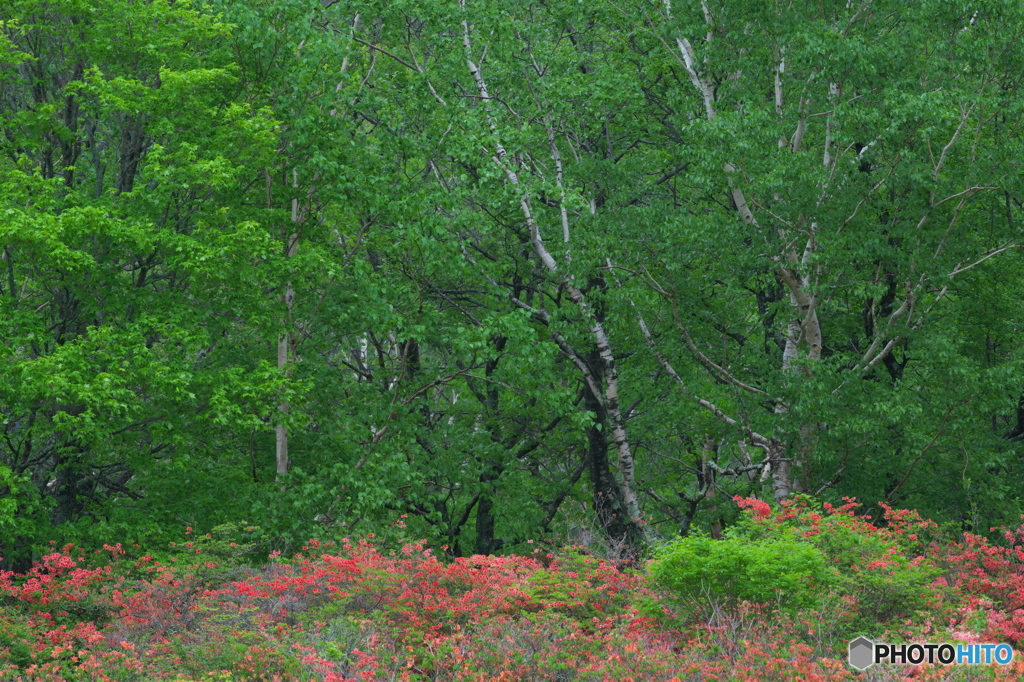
pixel 482 273
pixel 464 340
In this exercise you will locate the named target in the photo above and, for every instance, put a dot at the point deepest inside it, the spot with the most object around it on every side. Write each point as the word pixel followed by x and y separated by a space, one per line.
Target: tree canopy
pixel 487 271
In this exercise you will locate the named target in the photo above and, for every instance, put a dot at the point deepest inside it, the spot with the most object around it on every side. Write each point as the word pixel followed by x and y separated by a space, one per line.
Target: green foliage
pixel 15 641
pixel 781 571
pixel 231 543
pixel 882 576
pixel 228 551
pixel 575 587
pixel 183 185
pixel 888 583
pixel 21 508
pixel 832 567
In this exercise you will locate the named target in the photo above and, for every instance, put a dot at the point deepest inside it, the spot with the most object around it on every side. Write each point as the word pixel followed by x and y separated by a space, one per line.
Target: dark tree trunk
pixel 1017 432
pixel 486 542
pixel 607 495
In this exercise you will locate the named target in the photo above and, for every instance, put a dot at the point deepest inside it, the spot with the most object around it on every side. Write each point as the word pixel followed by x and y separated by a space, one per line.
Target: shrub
pixel 16 640
pixel 781 571
pixel 881 573
pixel 352 613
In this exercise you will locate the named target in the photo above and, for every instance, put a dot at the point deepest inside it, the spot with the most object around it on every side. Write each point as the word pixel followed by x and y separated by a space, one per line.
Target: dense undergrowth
pixel 777 599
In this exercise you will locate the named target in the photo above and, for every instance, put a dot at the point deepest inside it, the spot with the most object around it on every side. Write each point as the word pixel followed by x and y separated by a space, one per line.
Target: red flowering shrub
pixel 990 576
pixel 349 613
pixel 880 575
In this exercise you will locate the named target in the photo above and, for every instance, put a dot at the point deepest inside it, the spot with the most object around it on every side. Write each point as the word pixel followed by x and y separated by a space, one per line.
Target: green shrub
pixel 16 639
pixel 880 573
pixel 887 585
pixel 578 585
pixel 783 571
pixel 226 553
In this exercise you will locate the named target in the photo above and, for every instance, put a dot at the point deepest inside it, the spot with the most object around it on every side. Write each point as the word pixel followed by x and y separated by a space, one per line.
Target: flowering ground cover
pixel 778 599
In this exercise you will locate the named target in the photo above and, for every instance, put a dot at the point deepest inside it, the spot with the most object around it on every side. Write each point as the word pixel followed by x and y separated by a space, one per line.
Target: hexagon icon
pixel 862 653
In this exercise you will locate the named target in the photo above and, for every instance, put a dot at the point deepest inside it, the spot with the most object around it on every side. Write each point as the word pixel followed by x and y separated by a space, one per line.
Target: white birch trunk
pixel 610 397
pixel 804 326
pixel 285 350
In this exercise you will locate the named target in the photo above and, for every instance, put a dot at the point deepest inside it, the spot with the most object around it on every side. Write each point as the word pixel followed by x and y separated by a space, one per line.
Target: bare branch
pixel 711 407
pixel 588 376
pixel 558 176
pixel 945 150
pixel 970 190
pixel 910 470
pixel 389 54
pixel 985 257
pixel 690 64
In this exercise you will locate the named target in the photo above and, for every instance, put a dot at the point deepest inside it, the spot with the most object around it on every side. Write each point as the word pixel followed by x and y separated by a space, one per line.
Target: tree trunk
pixel 621 527
pixel 285 344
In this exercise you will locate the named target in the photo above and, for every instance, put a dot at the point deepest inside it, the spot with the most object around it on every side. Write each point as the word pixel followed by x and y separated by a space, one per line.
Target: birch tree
pixel 769 158
pixel 839 183
pixel 484 272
